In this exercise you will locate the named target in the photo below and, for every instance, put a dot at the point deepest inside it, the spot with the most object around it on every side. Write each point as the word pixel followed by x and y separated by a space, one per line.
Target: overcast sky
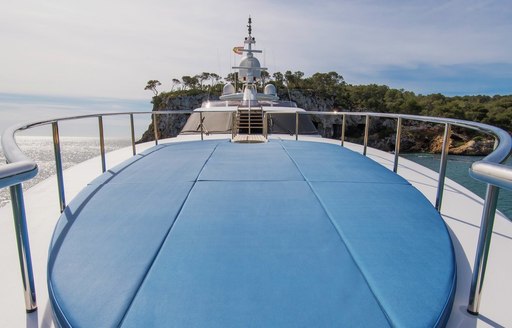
pixel 100 48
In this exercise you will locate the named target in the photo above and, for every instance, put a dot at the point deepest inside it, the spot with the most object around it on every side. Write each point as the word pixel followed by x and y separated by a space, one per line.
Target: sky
pixel 74 51
pixel 112 48
pixel 25 108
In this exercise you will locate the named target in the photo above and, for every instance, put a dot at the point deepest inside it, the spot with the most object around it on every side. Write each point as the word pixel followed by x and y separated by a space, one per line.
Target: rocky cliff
pixel 171 125
pixel 416 136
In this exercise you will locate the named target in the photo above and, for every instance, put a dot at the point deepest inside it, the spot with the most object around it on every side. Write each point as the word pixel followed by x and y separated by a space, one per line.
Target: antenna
pixel 265 57
pixel 219 68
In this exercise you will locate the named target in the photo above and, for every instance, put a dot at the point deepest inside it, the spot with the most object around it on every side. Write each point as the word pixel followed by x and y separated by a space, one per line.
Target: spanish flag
pixel 238 50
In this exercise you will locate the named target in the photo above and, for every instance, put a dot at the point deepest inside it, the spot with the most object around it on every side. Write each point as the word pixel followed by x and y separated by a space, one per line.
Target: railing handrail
pixel 28 170
pixel 499 175
pixel 505 137
pixel 21 168
pixel 488 170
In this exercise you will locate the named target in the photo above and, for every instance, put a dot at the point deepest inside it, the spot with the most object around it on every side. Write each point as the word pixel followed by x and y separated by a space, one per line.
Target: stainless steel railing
pixel 20 168
pixel 489 170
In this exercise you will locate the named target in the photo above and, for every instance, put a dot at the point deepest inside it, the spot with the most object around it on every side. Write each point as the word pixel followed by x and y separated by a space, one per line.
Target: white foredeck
pixel 461 210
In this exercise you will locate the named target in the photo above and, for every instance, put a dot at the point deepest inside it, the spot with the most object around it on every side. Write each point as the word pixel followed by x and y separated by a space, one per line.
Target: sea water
pixel 457 169
pixel 74 150
pixel 78 149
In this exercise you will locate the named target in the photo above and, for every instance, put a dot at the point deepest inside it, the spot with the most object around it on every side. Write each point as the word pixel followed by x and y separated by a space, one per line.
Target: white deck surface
pixel 461 210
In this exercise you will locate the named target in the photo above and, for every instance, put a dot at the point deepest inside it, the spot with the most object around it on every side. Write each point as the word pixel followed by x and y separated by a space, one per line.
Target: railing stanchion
pixel 296 125
pixel 132 130
pixel 249 128
pixel 233 125
pixel 366 131
pixel 442 166
pixel 488 170
pixel 343 125
pixel 22 240
pixel 201 125
pixel 102 144
pixel 265 125
pixel 482 251
pixel 58 166
pixel 397 143
pixel 155 130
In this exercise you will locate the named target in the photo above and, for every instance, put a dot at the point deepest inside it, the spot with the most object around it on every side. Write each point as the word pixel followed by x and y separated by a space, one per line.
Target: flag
pixel 238 50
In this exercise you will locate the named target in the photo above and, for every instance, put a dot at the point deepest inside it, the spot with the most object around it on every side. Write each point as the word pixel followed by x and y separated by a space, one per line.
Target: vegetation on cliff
pixel 329 91
pixel 495 110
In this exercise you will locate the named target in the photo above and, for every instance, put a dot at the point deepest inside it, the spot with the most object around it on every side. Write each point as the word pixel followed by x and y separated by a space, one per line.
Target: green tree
pixel 151 85
pixel 214 79
pixel 175 83
pixel 327 84
pixel 204 76
pixel 232 77
pixel 278 79
pixel 190 82
pixel 265 76
pixel 293 80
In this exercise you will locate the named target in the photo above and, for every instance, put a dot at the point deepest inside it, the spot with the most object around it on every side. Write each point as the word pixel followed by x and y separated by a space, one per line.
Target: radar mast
pixel 249 71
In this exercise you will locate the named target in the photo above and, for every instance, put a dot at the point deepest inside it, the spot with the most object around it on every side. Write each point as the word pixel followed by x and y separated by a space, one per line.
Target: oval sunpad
pixel 281 234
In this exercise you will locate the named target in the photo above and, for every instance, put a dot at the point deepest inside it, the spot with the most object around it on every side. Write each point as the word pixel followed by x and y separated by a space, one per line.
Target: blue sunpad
pixel 283 234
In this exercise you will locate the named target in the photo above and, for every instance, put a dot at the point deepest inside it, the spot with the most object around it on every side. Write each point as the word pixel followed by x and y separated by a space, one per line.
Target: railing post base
pixel 471 312
pixel 22 240
pixel 482 250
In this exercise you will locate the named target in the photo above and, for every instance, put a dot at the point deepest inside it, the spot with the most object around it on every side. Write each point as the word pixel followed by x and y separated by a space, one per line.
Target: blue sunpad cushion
pixel 216 234
pixel 232 262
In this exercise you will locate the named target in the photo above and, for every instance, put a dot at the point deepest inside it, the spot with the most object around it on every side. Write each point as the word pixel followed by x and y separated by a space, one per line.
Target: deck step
pixel 249 138
pixel 249 122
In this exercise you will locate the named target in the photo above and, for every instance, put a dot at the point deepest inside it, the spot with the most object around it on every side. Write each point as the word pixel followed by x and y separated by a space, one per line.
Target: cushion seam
pixel 338 231
pixel 164 239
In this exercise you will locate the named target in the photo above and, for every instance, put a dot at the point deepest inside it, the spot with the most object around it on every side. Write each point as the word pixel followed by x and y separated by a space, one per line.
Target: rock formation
pixel 415 137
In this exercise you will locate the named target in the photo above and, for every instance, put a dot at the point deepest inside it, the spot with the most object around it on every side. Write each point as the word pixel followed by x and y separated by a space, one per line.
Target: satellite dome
pixel 250 68
pixel 270 89
pixel 250 62
pixel 228 89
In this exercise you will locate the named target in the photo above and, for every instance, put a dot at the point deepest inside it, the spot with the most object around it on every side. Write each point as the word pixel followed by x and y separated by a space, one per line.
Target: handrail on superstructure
pixel 490 170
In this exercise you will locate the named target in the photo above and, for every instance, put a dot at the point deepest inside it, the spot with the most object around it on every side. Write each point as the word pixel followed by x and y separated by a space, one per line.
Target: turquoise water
pixel 457 169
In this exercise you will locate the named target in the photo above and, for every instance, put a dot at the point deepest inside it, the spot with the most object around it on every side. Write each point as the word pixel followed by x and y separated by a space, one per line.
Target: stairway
pixel 250 121
pixel 249 125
